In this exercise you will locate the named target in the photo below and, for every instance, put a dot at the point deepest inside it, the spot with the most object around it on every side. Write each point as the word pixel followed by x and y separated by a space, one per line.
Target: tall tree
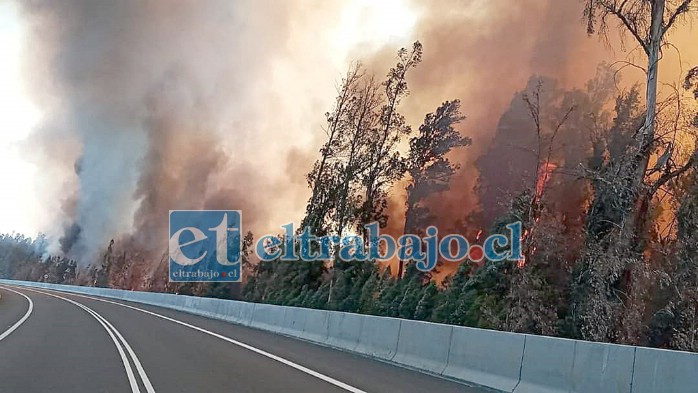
pixel 681 311
pixel 322 179
pixel 385 165
pixel 606 301
pixel 677 321
pixel 361 120
pixel 428 167
pixel 648 22
pixel 691 84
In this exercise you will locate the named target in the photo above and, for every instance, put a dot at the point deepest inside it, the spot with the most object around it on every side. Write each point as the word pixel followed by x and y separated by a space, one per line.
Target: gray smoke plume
pixel 483 52
pixel 152 106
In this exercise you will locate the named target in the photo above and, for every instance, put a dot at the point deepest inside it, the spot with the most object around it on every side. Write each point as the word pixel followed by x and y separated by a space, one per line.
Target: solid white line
pixel 24 318
pixel 124 359
pixel 240 344
pixel 144 377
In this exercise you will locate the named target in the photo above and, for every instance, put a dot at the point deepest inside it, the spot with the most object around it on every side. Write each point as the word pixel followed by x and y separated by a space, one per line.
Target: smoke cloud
pixel 484 53
pixel 152 106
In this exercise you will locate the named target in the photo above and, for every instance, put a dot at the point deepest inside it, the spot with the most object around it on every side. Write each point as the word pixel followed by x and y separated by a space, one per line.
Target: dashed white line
pixel 24 318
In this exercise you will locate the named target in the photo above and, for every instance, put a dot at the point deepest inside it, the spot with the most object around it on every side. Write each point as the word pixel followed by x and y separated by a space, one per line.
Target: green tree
pixel 627 198
pixel 385 165
pixel 425 306
pixel 429 169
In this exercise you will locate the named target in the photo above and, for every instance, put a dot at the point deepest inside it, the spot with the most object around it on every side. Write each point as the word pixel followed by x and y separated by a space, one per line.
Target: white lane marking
pixel 111 330
pixel 240 344
pixel 24 318
pixel 144 377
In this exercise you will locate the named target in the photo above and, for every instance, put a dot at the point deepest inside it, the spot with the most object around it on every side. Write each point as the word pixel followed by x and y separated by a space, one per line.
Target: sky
pixel 18 203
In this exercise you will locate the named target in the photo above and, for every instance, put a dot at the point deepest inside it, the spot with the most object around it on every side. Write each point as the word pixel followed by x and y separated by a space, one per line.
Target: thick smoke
pixel 570 120
pixel 152 106
pixel 485 52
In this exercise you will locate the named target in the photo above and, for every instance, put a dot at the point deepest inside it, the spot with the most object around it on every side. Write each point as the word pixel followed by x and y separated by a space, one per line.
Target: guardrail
pixel 502 361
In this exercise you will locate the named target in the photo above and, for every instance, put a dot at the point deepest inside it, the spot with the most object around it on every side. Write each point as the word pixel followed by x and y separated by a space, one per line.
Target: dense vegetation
pixel 604 182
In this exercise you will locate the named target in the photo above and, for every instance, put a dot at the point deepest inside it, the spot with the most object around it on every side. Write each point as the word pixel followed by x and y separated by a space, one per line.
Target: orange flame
pixel 545 171
pixel 521 262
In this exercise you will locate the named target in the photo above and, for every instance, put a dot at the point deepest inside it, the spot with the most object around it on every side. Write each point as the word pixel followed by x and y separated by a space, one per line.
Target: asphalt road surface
pixel 57 342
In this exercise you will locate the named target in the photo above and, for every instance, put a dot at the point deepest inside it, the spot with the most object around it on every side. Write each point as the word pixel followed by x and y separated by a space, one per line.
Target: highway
pixel 58 342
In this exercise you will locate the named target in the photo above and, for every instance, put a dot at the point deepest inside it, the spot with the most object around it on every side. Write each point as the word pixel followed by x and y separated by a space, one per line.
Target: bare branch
pixel 627 64
pixel 674 174
pixel 633 30
pixel 680 10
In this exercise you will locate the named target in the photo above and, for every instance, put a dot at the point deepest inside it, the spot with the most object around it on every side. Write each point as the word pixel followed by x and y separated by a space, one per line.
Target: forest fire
pixel 410 124
pixel 524 237
pixel 545 172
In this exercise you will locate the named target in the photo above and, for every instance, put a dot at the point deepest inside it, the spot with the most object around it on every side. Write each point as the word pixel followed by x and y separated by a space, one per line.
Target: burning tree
pixel 428 168
pixel 322 179
pixel 608 297
pixel 349 184
pixel 648 22
pixel 676 324
pixel 533 296
pixel 360 161
pixel 385 164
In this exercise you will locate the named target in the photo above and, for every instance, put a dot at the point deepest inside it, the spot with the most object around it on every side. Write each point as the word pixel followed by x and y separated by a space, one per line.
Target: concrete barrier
pixel 268 317
pixel 503 361
pixel 547 365
pixel 379 337
pixel 219 305
pixel 658 370
pixel 560 365
pixel 344 330
pixel 316 326
pixel 601 367
pixel 416 346
pixel 236 312
pixel 206 306
pixel 293 322
pixel 485 357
